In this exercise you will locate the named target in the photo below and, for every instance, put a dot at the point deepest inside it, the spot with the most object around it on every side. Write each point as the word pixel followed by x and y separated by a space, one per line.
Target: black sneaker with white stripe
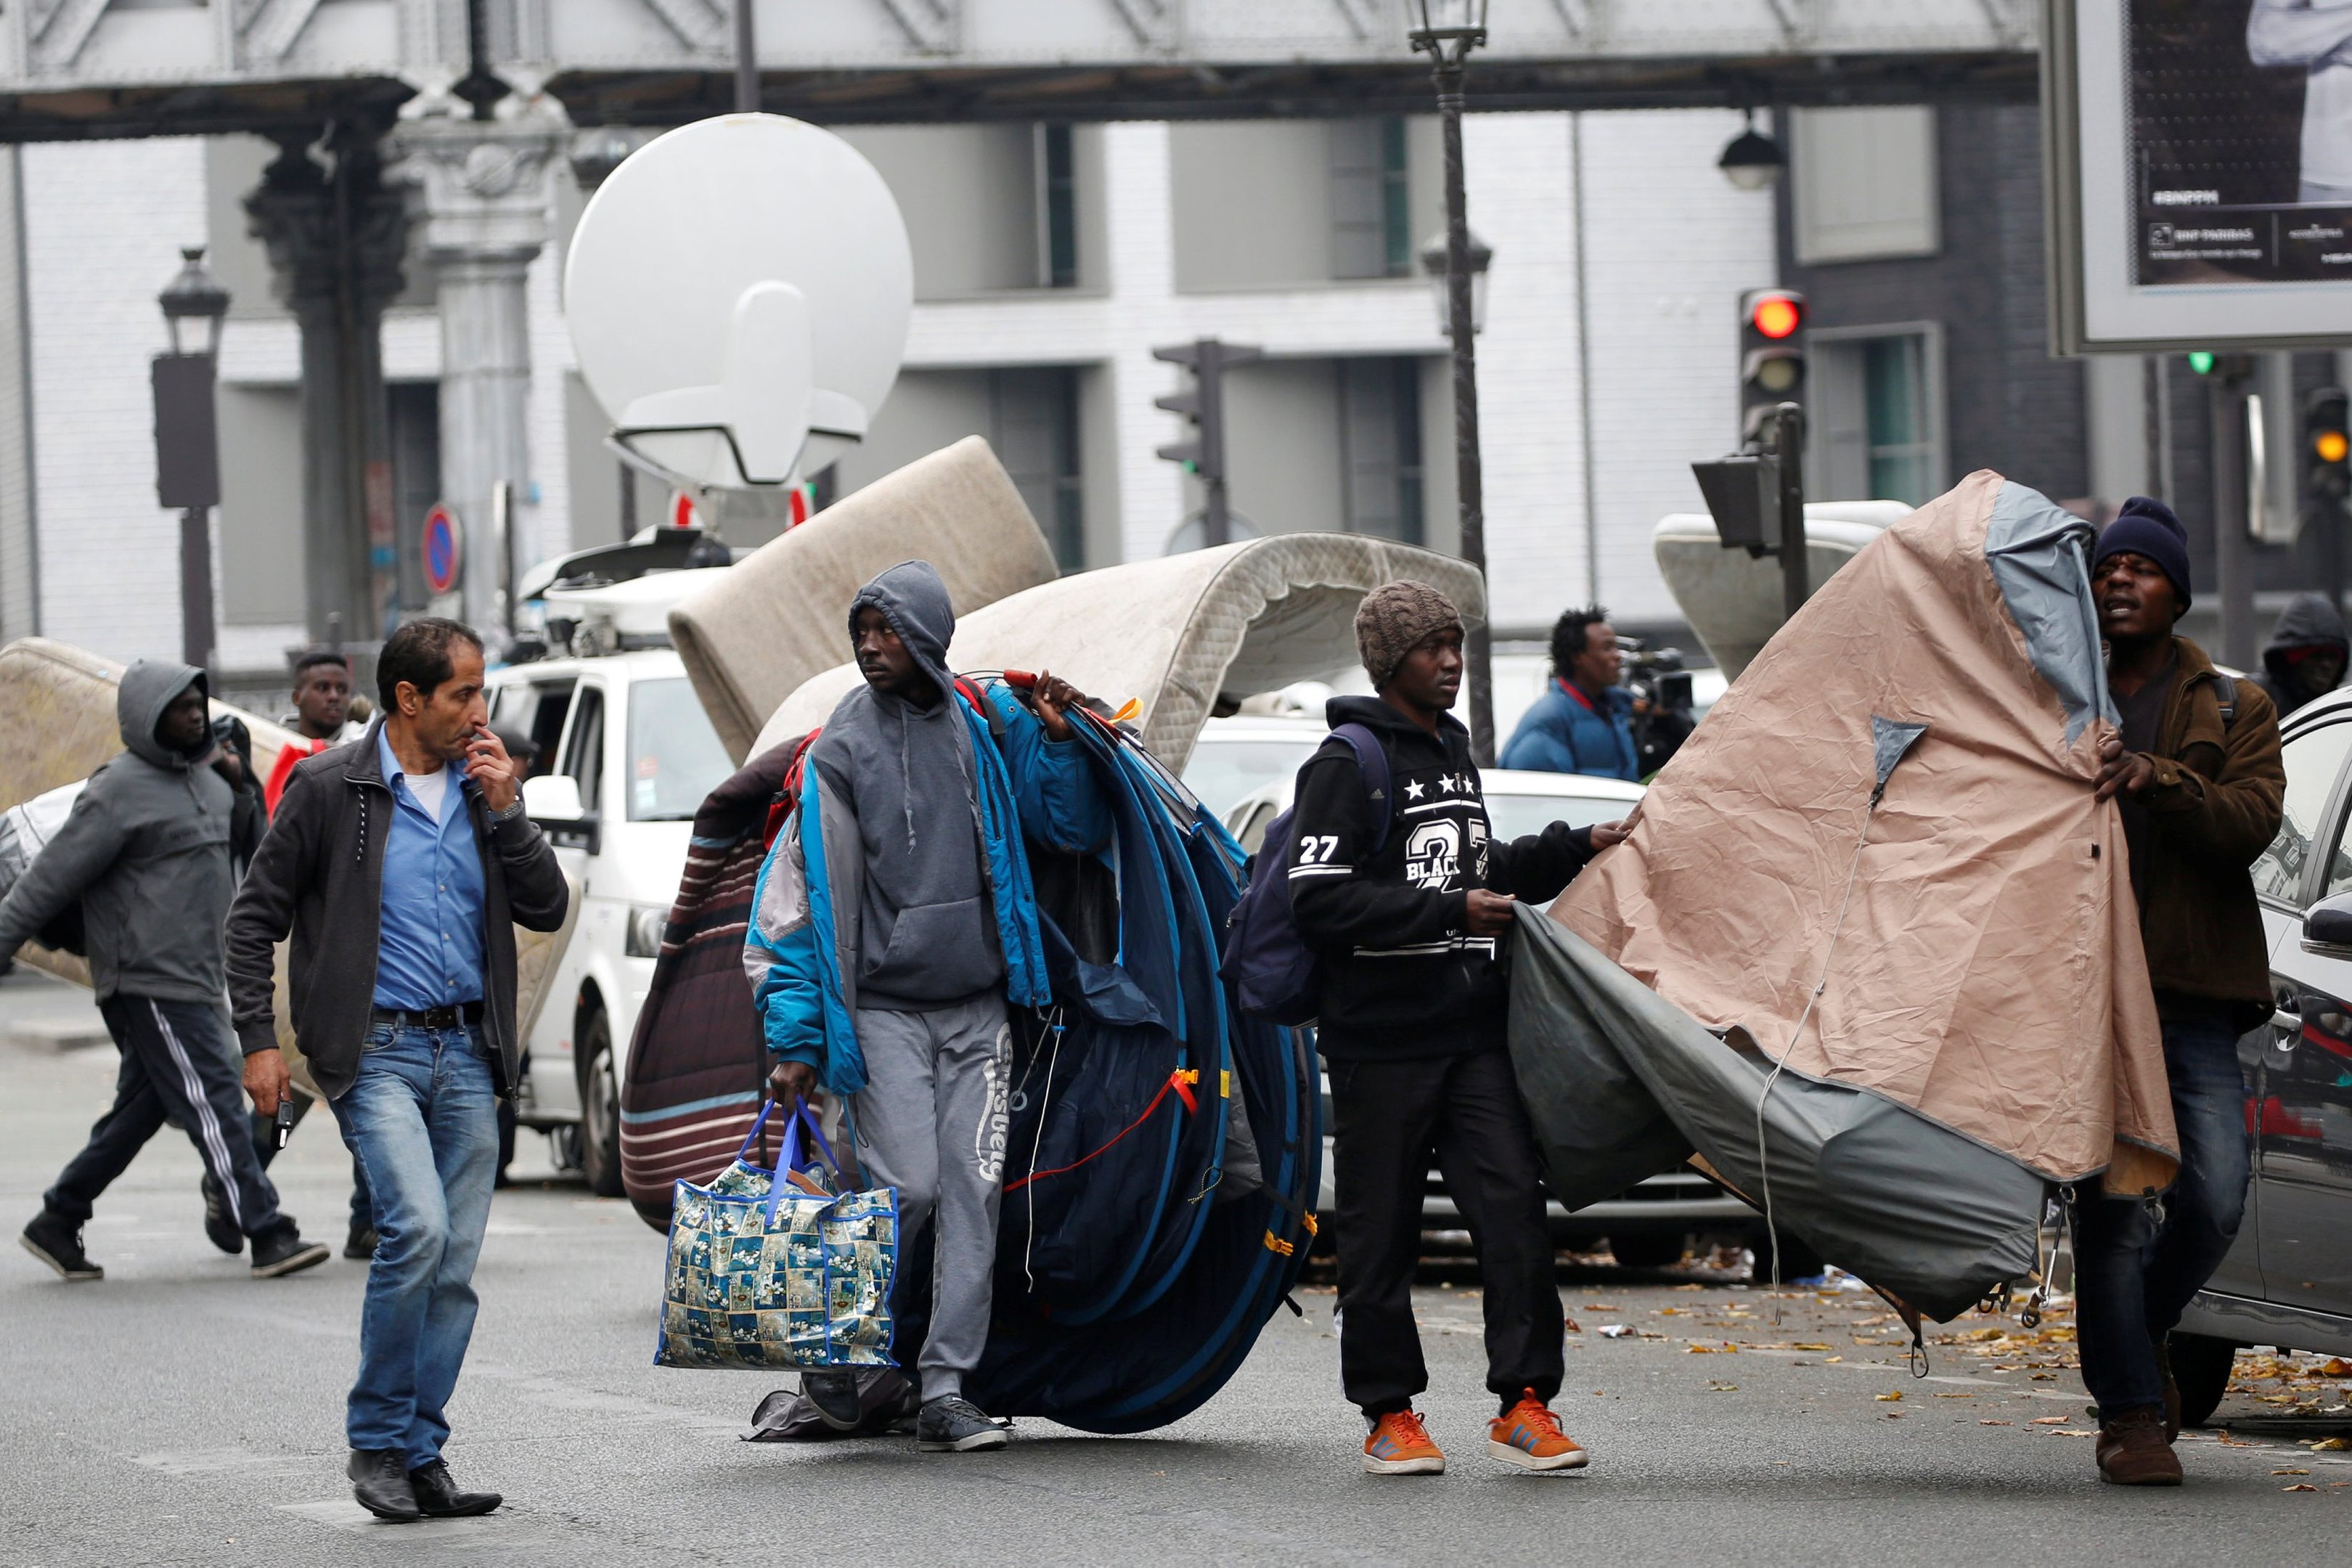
pixel 283 1251
pixel 58 1243
pixel 219 1228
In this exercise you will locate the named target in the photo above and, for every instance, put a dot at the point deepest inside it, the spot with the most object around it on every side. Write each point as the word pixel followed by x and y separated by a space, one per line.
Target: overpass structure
pixel 134 67
pixel 448 114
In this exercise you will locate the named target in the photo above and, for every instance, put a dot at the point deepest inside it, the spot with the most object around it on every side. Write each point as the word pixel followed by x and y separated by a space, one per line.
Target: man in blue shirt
pixel 1581 725
pixel 400 864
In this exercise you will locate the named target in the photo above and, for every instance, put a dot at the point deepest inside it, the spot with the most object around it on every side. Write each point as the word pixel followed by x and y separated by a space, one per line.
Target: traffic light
pixel 2327 447
pixel 1771 356
pixel 1204 454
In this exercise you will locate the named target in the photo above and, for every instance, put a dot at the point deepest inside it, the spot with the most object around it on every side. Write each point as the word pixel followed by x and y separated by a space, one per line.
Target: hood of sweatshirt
pixel 2309 621
pixel 914 600
pixel 148 688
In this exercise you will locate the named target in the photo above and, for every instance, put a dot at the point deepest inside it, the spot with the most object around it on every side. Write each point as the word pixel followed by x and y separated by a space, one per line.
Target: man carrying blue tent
pixel 894 922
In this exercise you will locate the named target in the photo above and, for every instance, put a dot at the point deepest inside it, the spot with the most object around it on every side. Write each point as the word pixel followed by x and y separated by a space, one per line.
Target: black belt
pixel 429 1018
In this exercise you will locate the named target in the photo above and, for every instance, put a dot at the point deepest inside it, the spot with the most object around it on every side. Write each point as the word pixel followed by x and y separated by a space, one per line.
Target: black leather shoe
pixel 283 1252
pixel 438 1496
pixel 58 1243
pixel 380 1484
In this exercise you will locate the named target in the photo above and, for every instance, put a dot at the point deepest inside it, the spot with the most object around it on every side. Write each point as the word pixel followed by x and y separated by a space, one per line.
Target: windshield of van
pixel 675 758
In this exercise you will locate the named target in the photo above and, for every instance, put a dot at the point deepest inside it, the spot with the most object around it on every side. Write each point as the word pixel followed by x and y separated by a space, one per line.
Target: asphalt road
pixel 180 1411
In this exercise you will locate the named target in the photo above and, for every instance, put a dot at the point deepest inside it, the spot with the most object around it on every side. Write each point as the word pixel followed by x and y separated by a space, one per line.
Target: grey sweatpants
pixel 932 1122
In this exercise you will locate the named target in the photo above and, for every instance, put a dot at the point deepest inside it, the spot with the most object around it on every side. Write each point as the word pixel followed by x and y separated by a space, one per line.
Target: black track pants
pixel 180 1065
pixel 1388 1119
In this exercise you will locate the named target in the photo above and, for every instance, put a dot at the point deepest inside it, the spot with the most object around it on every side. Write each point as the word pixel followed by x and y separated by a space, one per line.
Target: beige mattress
pixel 1173 634
pixel 762 628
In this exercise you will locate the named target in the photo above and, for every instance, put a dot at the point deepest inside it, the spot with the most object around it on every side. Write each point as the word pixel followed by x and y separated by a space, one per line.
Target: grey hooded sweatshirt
pixel 927 928
pixel 146 850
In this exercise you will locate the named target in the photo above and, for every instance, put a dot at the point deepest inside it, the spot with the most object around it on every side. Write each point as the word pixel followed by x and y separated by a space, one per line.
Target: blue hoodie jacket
pixel 834 880
pixel 1564 734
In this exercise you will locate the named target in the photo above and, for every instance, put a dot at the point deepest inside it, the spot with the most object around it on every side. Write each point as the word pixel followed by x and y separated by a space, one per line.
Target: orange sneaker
pixel 1528 1435
pixel 1399 1444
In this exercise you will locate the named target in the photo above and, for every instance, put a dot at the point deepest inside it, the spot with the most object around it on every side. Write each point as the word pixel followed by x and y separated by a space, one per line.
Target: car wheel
pixel 2201 1367
pixel 1649 1249
pixel 600 1108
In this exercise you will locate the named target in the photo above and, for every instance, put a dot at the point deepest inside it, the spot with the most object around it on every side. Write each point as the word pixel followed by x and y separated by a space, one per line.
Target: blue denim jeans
pixel 2133 1277
pixel 422 1120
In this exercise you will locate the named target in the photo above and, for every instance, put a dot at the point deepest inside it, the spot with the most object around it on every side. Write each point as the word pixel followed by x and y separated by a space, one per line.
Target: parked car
pixel 2288 1280
pixel 1648 1227
pixel 626 755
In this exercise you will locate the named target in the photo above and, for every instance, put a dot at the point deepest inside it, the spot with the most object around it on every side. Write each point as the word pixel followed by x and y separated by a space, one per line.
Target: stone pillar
pixel 482 194
pixel 335 233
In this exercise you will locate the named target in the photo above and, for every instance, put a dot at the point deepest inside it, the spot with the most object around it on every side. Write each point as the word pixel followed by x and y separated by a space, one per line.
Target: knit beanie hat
pixel 1393 618
pixel 2149 528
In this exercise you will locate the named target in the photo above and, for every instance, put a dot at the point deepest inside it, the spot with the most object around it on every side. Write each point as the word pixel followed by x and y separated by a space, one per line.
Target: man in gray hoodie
pixel 919 796
pixel 146 853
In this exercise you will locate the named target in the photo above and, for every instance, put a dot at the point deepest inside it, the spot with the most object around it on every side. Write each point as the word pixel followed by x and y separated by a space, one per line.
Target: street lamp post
pixel 1449 30
pixel 187 452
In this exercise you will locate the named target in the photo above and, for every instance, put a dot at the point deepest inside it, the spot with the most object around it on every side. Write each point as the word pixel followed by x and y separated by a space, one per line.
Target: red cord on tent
pixel 1182 1080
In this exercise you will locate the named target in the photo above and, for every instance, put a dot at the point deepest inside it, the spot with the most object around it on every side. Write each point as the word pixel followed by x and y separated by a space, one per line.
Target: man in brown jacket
pixel 2196 772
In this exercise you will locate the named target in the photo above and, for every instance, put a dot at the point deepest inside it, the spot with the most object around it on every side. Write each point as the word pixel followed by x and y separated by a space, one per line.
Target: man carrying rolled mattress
pixel 906 847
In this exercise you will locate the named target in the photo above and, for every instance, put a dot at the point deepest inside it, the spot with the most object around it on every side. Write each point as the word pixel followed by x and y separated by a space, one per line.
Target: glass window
pixel 674 757
pixel 1061 209
pixel 1517 816
pixel 1895 399
pixel 2312 759
pixel 584 754
pixel 1223 770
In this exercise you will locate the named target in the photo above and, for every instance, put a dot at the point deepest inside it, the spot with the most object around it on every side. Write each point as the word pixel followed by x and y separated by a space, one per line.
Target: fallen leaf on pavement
pixel 1574 1327
pixel 1809 1347
pixel 1833 1360
pixel 2051 1420
pixel 2300 1486
pixel 2290 1472
pixel 2331 1446
pixel 1995 1423
pixel 2336 1366
pixel 1893 1398
pixel 2073 1432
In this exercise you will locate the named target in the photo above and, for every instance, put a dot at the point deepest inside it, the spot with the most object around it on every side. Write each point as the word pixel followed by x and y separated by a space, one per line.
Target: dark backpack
pixel 1275 976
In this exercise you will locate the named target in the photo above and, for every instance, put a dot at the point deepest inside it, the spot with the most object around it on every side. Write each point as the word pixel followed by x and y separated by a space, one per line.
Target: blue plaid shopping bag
pixel 774 1268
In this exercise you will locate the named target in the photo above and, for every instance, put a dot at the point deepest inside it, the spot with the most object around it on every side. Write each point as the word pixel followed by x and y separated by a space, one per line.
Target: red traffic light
pixel 1776 316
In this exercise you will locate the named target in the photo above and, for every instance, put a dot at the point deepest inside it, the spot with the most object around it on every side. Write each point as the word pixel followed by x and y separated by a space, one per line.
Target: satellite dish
pixel 737 292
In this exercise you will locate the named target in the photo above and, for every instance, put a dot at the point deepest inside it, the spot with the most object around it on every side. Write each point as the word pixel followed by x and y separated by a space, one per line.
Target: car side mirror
pixel 2329 923
pixel 553 801
pixel 551 797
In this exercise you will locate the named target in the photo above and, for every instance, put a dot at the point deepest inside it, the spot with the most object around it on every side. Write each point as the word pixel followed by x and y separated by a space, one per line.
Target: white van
pixel 626 755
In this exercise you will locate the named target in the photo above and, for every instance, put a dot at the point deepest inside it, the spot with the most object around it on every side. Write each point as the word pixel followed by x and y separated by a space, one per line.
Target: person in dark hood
pixel 907 846
pixel 148 854
pixel 2306 653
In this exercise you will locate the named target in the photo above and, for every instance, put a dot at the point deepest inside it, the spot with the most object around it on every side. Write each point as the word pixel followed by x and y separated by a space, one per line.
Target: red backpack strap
pixel 788 793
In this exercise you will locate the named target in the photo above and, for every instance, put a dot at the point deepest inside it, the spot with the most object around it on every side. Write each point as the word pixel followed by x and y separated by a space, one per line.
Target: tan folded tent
pixel 1173 633
pixel 782 613
pixel 57 724
pixel 1878 866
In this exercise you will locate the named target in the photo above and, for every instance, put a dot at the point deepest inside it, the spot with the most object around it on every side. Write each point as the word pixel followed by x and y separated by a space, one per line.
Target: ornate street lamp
pixel 1449 30
pixel 187 451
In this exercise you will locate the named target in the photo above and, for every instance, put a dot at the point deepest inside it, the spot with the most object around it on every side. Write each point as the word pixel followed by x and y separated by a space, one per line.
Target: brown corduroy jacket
pixel 2214 807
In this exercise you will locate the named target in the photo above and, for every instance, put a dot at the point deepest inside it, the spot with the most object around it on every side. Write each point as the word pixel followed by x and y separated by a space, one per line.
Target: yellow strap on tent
pixel 1277 1245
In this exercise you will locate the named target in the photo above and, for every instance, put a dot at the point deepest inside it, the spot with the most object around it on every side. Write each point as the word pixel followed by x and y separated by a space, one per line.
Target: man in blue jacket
pixel 894 920
pixel 1581 725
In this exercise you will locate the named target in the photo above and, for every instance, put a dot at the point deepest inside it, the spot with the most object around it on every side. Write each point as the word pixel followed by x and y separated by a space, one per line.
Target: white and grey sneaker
pixel 954 1425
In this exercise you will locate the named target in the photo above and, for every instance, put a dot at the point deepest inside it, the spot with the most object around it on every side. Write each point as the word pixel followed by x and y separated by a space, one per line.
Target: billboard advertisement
pixel 2201 172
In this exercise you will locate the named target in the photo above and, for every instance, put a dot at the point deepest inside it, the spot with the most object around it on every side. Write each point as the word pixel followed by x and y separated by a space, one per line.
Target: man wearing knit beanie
pixel 2194 768
pixel 1406 900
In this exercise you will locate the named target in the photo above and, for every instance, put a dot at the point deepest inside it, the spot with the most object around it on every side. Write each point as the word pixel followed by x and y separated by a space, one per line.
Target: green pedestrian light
pixel 2201 363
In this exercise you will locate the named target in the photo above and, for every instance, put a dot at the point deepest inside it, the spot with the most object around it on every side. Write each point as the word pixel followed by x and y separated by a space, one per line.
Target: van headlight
pixel 644 938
